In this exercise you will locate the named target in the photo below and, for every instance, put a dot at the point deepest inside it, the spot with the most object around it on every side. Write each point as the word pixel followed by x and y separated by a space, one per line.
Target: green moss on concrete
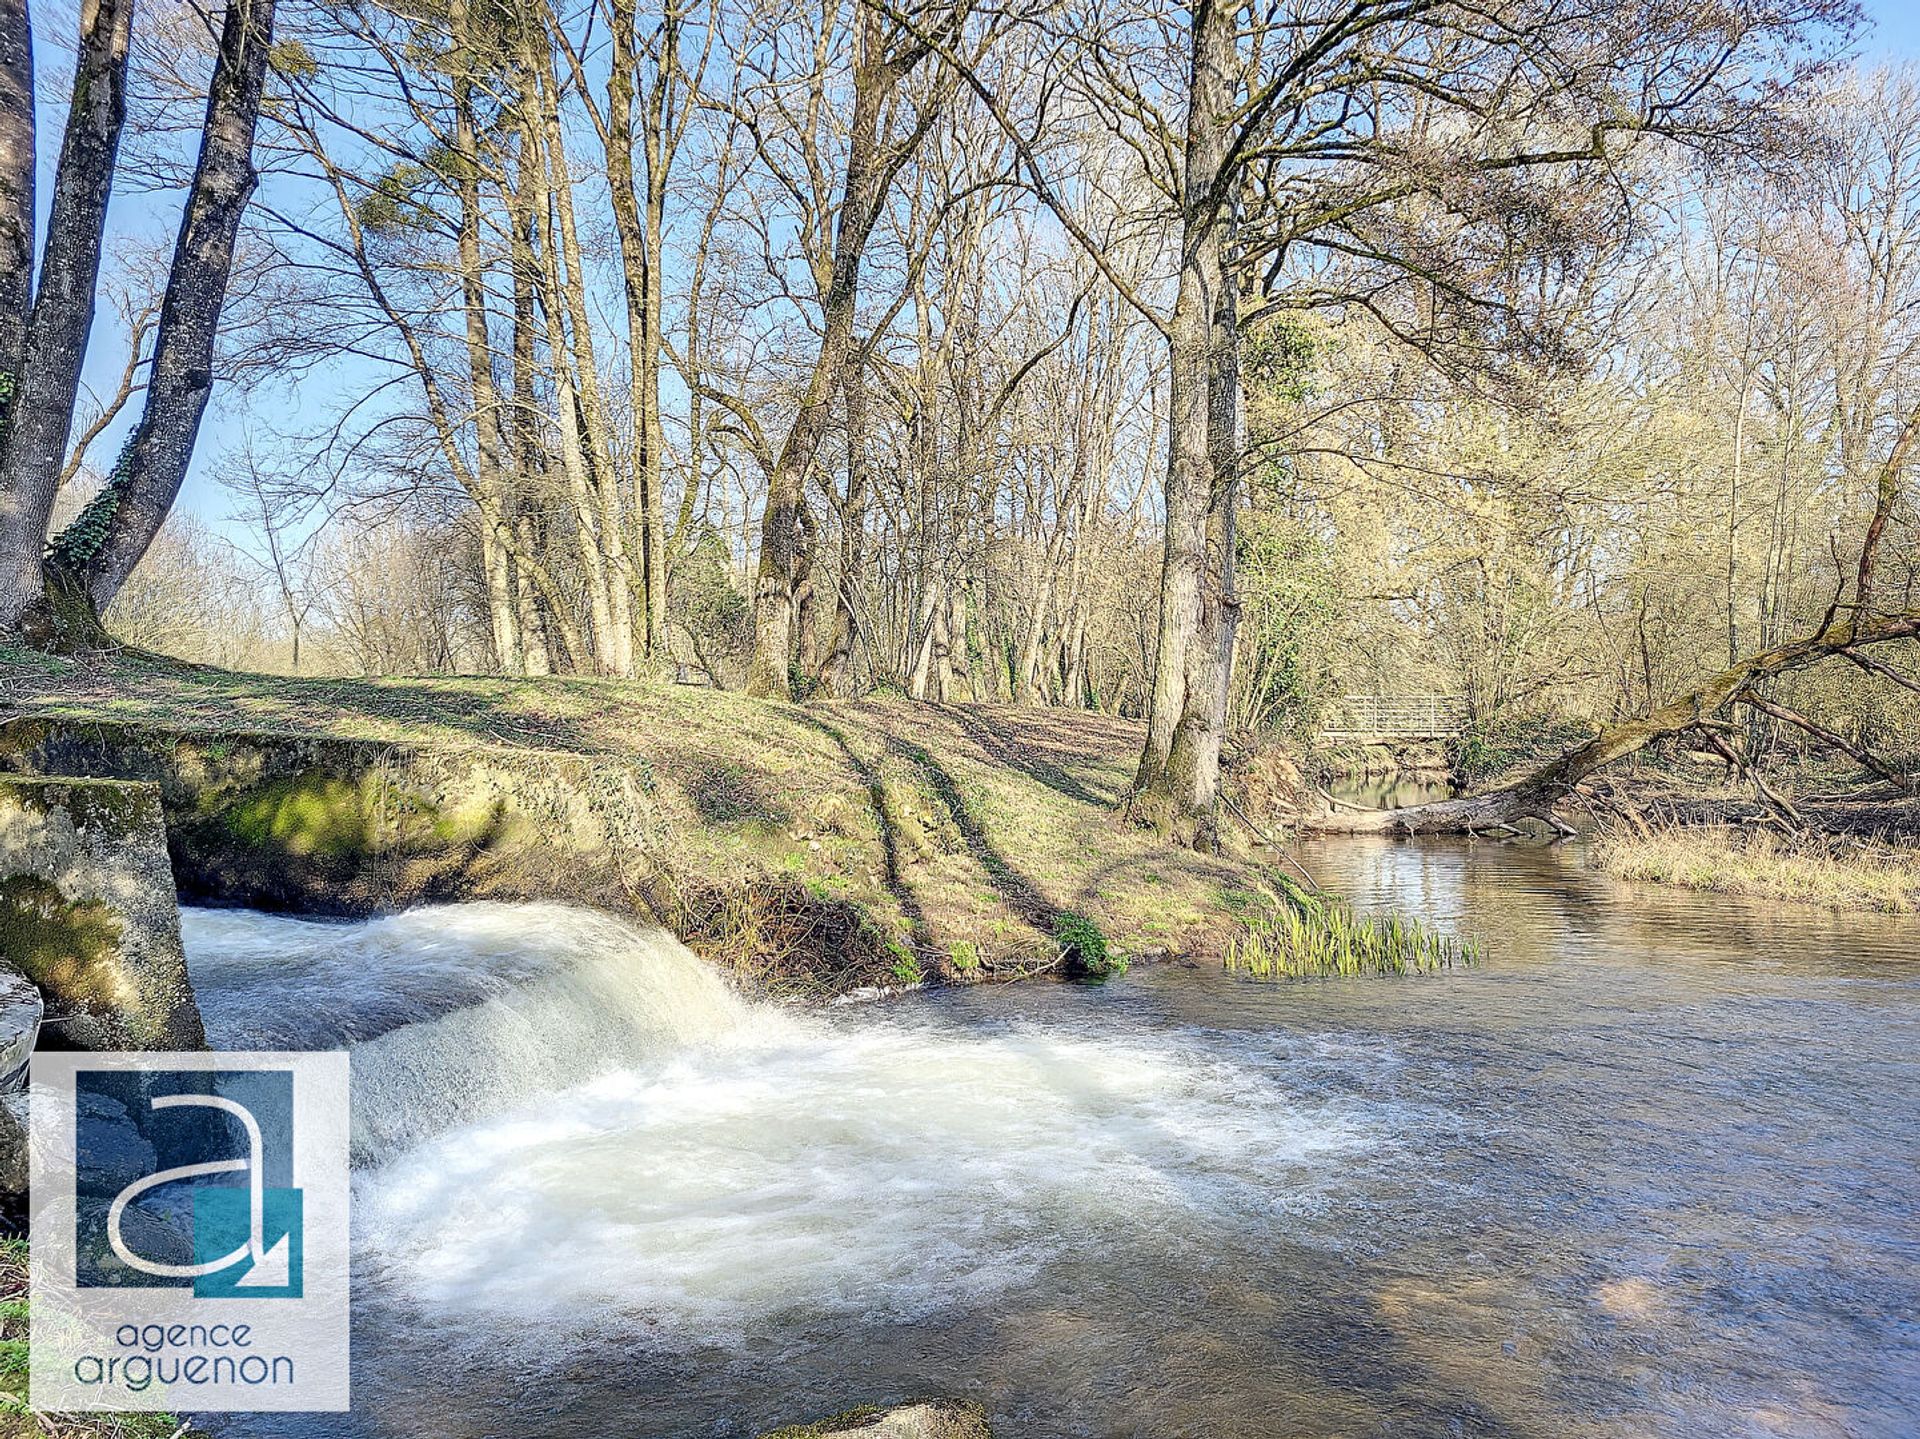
pixel 336 822
pixel 122 808
pixel 70 949
pixel 309 816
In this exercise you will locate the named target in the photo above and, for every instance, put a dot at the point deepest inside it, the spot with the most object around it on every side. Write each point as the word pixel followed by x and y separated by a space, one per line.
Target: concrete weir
pixel 345 826
pixel 88 916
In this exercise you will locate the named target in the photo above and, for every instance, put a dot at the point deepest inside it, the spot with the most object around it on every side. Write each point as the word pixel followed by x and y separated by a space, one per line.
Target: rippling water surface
pixel 1649 1171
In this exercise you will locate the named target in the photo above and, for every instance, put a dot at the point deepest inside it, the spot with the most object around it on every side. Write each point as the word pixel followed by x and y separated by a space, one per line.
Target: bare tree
pixel 54 347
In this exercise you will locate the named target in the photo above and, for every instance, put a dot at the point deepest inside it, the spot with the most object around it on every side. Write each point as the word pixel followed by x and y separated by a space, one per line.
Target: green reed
pixel 1309 935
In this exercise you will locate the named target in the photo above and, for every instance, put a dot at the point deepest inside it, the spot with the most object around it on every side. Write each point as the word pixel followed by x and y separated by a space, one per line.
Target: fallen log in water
pixel 1538 794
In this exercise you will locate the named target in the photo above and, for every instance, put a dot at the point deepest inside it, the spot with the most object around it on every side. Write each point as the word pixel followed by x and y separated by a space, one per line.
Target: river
pixel 1649 1170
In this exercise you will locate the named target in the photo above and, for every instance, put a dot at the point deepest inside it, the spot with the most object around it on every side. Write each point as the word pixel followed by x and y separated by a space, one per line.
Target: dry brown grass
pixel 1835 873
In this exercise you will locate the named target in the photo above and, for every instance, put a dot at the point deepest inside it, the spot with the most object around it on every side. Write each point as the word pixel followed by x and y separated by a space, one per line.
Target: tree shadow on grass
pixel 1016 891
pixel 889 831
pixel 424 709
pixel 1015 746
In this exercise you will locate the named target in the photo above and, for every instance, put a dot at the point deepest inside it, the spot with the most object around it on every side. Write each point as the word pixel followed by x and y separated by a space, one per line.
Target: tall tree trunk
pixel 920 681
pixel 1177 782
pixel 532 619
pixel 806 629
pixel 489 469
pixel 1203 725
pixel 1073 667
pixel 181 377
pixel 955 678
pixel 503 615
pixel 615 644
pixel 55 347
pixel 836 669
pixel 874 78
pixel 537 176
pixel 642 237
pixel 523 422
pixel 17 171
pixel 650 476
pixel 940 648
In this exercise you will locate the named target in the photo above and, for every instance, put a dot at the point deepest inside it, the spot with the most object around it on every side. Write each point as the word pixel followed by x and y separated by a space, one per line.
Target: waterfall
pixel 456 1012
pixel 564 1122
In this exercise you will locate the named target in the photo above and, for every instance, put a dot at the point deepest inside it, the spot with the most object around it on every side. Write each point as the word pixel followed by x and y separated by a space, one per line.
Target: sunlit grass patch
pixel 1306 936
pixel 17 1420
pixel 1834 872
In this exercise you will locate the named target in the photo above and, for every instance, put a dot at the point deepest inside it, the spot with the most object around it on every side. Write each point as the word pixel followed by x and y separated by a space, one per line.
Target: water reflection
pixel 1391 791
pixel 1648 1171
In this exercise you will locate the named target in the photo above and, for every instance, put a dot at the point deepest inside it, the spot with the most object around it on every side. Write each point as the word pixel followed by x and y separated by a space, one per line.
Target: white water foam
pixel 610 1136
pixel 807 1169
pixel 460 1011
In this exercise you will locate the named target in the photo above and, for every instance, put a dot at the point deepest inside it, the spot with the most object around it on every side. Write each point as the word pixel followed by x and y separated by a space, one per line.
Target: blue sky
pixel 1896 29
pixel 1895 37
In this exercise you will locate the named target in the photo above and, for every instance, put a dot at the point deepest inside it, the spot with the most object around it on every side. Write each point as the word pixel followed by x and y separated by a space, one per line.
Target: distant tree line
pixel 1184 360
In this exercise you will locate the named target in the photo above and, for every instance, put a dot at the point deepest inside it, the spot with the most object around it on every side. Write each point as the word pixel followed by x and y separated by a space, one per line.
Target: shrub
pixel 1084 947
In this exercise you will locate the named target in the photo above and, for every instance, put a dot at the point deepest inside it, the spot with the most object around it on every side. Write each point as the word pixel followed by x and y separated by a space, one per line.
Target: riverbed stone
pixel 88 914
pixel 20 1011
pixel 931 1419
pixel 13 1148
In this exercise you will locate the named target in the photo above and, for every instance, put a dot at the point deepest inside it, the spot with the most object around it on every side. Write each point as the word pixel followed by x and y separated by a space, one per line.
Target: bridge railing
pixel 1425 716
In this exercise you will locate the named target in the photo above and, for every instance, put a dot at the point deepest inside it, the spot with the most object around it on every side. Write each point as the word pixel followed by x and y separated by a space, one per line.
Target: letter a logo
pixel 258 1268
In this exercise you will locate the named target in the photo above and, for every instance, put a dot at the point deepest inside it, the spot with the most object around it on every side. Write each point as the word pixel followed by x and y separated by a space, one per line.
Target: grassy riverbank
pixel 966 838
pixel 17 1421
pixel 1837 873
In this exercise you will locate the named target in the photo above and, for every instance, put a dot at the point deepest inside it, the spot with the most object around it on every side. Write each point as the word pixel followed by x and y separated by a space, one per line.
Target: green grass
pixel 937 823
pixel 1834 873
pixel 905 968
pixel 17 1420
pixel 1085 948
pixel 1308 936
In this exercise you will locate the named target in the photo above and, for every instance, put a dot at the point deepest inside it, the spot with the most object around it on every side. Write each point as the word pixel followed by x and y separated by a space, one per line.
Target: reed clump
pixel 1833 871
pixel 1311 935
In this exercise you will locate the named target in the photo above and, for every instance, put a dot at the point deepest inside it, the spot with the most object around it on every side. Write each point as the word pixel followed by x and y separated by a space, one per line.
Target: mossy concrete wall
pixel 347 826
pixel 87 913
pixel 330 825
